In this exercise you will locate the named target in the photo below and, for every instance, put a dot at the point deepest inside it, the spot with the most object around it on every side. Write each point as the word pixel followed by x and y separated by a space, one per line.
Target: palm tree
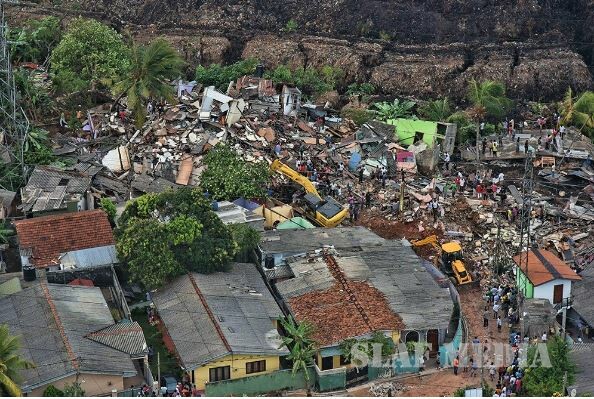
pixel 396 109
pixel 302 348
pixel 152 67
pixel 488 99
pixel 579 112
pixel 436 110
pixel 11 363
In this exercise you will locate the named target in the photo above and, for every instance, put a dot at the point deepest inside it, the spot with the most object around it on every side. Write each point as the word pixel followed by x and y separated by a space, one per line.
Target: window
pixel 255 367
pixel 327 363
pixel 219 373
pixel 343 360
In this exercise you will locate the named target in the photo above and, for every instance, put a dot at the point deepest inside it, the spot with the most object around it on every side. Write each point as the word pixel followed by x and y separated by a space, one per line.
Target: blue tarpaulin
pixel 354 161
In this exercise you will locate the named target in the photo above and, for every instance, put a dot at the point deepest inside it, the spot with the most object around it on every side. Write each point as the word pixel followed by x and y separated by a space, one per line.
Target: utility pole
pixel 159 371
pixel 525 217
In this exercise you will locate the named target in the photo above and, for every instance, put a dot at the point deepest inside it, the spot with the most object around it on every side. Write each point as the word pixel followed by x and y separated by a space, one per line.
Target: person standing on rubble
pixel 368 199
pixel 361 175
pixel 446 160
pixel 434 208
pixel 517 145
pixel 494 148
pixel 277 149
pixel 526 147
pixel 484 145
pixel 486 318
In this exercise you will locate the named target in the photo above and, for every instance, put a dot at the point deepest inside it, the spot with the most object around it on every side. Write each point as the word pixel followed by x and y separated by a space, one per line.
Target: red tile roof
pixel 82 281
pixel 348 309
pixel 50 236
pixel 544 266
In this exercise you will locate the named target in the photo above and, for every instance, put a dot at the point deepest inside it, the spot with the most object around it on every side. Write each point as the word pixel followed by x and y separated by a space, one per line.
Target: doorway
pixel 557 294
pixel 433 341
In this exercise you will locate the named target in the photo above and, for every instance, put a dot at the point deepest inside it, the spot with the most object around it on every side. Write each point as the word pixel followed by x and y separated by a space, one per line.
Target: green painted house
pixel 438 137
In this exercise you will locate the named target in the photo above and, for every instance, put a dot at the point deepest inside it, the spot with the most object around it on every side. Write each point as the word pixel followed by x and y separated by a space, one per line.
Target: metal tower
pixel 525 217
pixel 14 124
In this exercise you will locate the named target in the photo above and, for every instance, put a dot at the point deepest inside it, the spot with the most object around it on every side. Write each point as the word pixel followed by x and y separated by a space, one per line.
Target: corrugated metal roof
pixel 48 188
pixel 81 310
pixel 6 197
pixel 124 336
pixel 391 266
pixel 583 300
pixel 242 306
pixel 99 256
pixel 582 355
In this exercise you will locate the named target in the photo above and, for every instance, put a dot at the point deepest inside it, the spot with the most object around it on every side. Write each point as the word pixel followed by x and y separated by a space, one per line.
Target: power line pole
pixel 14 124
pixel 159 370
pixel 526 215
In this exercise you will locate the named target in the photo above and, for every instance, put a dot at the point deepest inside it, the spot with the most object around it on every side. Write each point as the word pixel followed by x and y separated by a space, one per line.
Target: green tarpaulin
pixel 295 223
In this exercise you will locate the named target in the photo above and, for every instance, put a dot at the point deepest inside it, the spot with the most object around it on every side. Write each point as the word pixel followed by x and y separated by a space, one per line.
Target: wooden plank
pixel 185 171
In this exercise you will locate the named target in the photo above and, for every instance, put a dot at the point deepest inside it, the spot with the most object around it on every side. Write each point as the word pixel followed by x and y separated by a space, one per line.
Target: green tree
pixel 109 207
pixel 37 149
pixel 33 98
pixel 161 236
pixel 151 68
pixel 220 76
pixel 89 53
pixel 544 380
pixel 228 177
pixel 11 363
pixel 5 232
pixel 396 109
pixel 74 390
pixel 579 112
pixel 436 110
pixel 52 391
pixel 245 236
pixel 36 40
pixel 302 348
pixel 310 80
pixel 488 100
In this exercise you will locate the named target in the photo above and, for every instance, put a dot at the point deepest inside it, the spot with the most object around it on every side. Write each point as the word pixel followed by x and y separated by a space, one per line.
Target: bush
pixel 385 36
pixel 291 26
pixel 310 80
pixel 220 76
pixel 52 391
pixel 357 115
pixel 109 207
pixel 89 53
pixel 355 89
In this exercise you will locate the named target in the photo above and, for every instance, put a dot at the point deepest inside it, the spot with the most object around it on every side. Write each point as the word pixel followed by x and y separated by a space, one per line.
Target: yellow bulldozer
pixel 325 212
pixel 450 260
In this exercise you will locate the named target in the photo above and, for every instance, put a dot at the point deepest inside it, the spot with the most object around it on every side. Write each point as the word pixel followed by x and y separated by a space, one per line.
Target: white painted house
pixel 541 274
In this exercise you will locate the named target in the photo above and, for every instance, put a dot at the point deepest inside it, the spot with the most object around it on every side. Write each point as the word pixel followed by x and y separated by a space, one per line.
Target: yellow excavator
pixel 451 258
pixel 326 212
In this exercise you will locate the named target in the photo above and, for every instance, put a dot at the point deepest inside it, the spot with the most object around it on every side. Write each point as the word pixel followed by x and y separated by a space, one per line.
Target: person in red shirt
pixel 479 191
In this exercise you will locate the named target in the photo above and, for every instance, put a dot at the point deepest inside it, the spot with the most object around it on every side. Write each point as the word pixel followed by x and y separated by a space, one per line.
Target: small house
pixel 70 335
pixel 67 240
pixel 52 190
pixel 221 326
pixel 6 203
pixel 426 138
pixel 540 274
pixel 291 98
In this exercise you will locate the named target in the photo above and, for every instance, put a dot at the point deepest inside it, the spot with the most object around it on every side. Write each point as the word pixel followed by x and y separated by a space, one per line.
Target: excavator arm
pixel 297 177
